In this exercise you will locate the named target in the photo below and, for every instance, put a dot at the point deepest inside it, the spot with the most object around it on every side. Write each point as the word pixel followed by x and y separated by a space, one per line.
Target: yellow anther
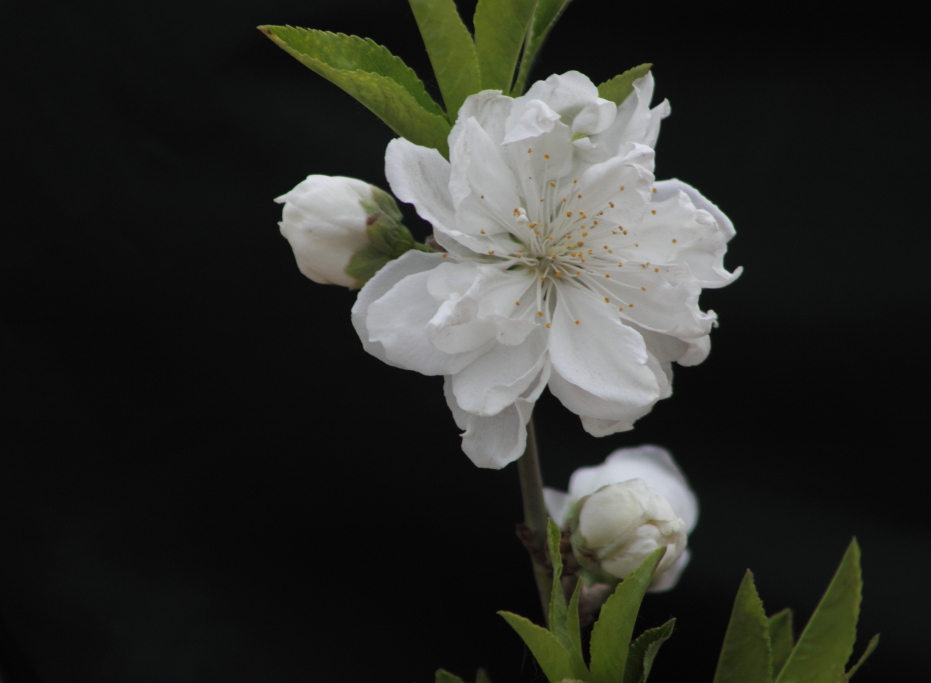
pixel 582 213
pixel 578 272
pixel 605 246
pixel 611 204
pixel 540 313
pixel 584 234
pixel 552 184
pixel 620 265
pixel 674 241
pixel 564 198
pixel 595 222
pixel 547 325
pixel 568 213
pixel 643 289
pixel 630 305
pixel 607 300
pixel 656 270
pixel 624 231
pixel 653 212
pixel 559 272
pixel 444 255
pixel 589 251
pixel 654 190
pixel 491 253
pixel 578 196
pixel 529 150
pixel 483 196
pixel 482 232
pixel 575 181
pixel 546 156
pixel 517 303
pixel 622 188
pixel 576 322
pixel 532 225
pixel 607 275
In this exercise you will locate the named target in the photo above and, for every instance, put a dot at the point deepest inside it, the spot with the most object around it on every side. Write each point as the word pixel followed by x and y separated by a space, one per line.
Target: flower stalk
pixel 533 530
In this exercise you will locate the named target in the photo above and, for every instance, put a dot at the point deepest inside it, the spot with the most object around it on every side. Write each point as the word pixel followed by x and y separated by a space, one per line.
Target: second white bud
pixel 614 529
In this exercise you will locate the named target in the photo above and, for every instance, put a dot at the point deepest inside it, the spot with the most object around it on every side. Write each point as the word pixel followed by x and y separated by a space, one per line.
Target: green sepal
pixel 745 655
pixel 781 638
pixel 827 642
pixel 365 263
pixel 619 88
pixel 874 641
pixel 544 18
pixel 384 202
pixel 500 29
pixel 371 74
pixel 442 676
pixel 612 632
pixel 554 659
pixel 644 650
pixel 451 50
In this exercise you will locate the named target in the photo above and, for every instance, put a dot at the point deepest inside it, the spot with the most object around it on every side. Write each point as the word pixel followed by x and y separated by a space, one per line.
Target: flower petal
pixel 496 379
pixel 494 441
pixel 557 504
pixel 411 263
pixel 593 350
pixel 669 578
pixel 399 320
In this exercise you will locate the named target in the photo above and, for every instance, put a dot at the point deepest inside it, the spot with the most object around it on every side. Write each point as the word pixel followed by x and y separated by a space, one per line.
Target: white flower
pixel 567 265
pixel 325 221
pixel 622 510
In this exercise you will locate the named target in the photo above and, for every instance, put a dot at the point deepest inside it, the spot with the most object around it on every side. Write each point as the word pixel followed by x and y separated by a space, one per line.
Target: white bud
pixel 324 219
pixel 614 529
pixel 623 509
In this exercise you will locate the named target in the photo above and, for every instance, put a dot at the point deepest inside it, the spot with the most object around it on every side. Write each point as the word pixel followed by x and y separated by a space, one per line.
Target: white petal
pixel 669 578
pixel 652 464
pixel 495 441
pixel 398 321
pixel 420 176
pixel 496 379
pixel 411 263
pixel 557 504
pixel 682 232
pixel 489 108
pixel 599 355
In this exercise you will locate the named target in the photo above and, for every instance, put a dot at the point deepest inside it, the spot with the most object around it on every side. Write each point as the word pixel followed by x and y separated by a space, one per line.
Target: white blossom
pixel 567 265
pixel 622 510
pixel 324 220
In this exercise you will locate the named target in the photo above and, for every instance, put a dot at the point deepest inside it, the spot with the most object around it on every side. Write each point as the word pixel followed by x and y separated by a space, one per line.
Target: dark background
pixel 204 477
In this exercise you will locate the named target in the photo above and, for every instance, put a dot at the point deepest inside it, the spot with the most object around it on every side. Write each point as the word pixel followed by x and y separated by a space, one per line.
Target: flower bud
pixel 613 530
pixel 342 230
pixel 622 510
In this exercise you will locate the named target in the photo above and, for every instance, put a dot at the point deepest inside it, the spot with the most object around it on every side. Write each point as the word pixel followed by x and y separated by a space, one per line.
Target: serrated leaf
pixel 500 29
pixel 442 676
pixel 874 641
pixel 451 50
pixel 573 629
pixel 481 676
pixel 781 639
pixel 612 632
pixel 618 89
pixel 644 650
pixel 550 654
pixel 544 18
pixel 745 655
pixel 371 74
pixel 826 643
pixel 557 611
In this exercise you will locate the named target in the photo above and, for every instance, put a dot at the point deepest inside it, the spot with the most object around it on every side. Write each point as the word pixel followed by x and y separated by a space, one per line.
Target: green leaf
pixel 644 650
pixel 745 655
pixel 451 50
pixel 550 654
pixel 781 638
pixel 547 12
pixel 557 611
pixel 573 630
pixel 481 676
pixel 371 74
pixel 826 643
pixel 612 632
pixel 619 88
pixel 365 263
pixel 442 676
pixel 500 29
pixel 874 641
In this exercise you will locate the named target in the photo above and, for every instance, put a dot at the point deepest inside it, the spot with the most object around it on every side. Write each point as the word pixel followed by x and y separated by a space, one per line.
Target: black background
pixel 205 478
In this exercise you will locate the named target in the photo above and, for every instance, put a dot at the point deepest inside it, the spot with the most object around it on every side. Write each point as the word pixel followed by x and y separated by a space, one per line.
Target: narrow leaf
pixel 612 632
pixel 874 641
pixel 557 611
pixel 547 12
pixel 826 643
pixel 442 676
pixel 644 650
pixel 781 639
pixel 373 76
pixel 574 630
pixel 619 88
pixel 500 29
pixel 745 655
pixel 550 654
pixel 451 50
